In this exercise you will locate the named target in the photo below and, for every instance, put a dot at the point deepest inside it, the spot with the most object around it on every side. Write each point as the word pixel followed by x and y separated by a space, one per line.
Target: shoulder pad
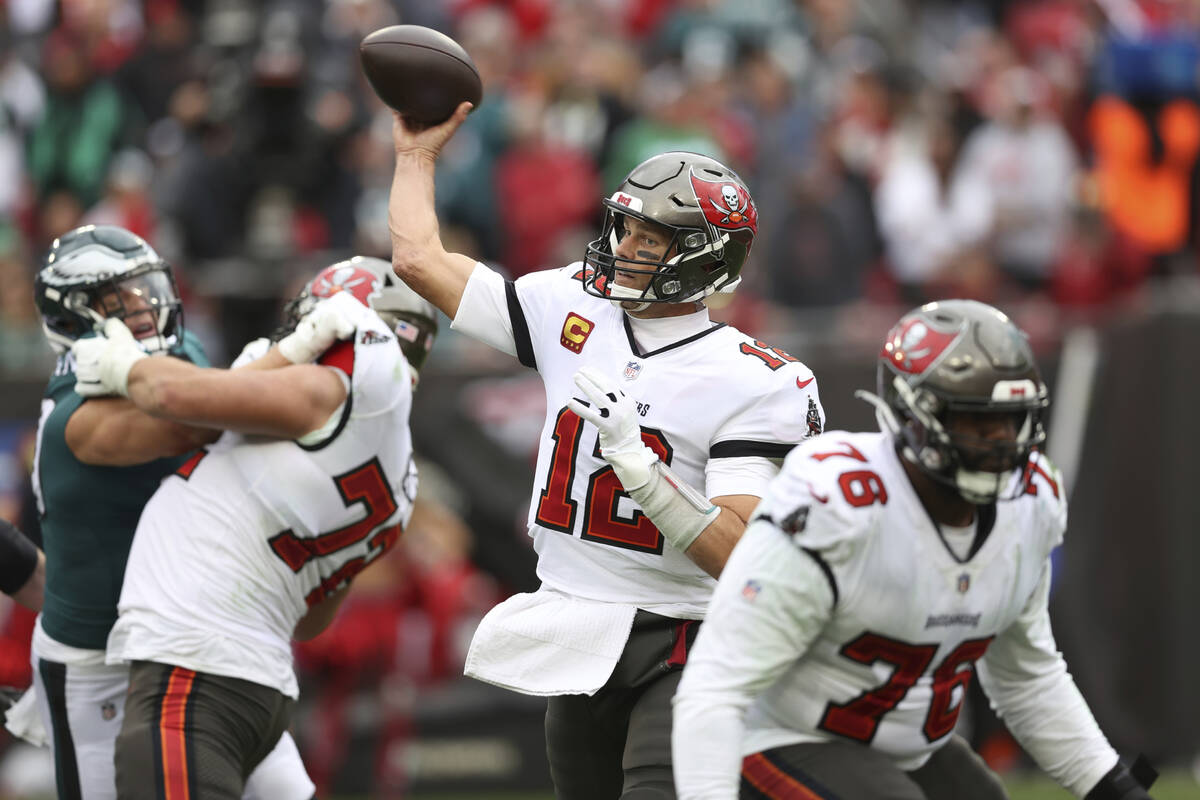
pixel 814 502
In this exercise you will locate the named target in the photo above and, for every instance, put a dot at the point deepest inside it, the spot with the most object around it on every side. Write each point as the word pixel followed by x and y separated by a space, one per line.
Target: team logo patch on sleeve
pixel 813 418
pixel 576 330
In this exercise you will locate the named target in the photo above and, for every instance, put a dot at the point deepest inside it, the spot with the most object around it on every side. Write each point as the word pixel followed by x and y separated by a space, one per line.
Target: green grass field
pixel 1171 786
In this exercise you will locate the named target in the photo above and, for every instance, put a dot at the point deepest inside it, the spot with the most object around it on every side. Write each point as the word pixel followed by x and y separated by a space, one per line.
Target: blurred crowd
pixel 898 149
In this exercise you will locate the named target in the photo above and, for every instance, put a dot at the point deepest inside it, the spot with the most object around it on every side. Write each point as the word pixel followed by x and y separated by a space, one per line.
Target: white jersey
pixel 233 548
pixel 843 614
pixel 717 406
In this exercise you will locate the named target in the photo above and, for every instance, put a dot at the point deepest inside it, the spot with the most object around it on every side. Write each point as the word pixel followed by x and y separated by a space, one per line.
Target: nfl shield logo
pixel 632 370
pixel 964 583
pixel 750 590
pixel 108 711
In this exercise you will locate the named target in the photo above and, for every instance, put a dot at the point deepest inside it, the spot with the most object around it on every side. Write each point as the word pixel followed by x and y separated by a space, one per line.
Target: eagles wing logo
pixel 913 346
pixel 725 204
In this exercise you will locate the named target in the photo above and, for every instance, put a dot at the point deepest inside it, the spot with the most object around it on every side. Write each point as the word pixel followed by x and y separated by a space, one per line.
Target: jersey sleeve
pixel 484 312
pixel 1045 481
pixel 807 502
pixel 379 375
pixel 513 316
pixel 1026 679
pixel 746 452
pixel 770 604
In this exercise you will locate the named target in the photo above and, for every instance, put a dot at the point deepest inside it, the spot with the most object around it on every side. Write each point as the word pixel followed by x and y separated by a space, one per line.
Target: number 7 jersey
pixel 237 544
pixel 716 405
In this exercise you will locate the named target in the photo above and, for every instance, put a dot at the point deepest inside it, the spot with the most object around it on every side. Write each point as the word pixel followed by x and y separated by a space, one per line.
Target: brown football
pixel 420 72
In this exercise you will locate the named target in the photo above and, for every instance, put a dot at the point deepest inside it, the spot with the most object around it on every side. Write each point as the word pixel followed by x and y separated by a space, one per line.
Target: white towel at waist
pixel 23 720
pixel 547 643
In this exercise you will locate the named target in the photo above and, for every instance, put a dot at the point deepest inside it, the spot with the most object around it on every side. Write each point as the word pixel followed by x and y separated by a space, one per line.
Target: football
pixel 420 72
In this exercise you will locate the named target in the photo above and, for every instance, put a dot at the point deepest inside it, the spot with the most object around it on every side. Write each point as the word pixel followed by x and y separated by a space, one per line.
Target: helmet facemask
pixel 681 275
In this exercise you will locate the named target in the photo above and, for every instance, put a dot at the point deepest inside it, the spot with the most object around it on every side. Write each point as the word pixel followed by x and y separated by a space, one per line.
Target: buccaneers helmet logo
pixel 725 204
pixel 913 346
pixel 359 282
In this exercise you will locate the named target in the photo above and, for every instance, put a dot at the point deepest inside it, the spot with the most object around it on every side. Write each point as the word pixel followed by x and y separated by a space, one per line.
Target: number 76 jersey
pixel 888 661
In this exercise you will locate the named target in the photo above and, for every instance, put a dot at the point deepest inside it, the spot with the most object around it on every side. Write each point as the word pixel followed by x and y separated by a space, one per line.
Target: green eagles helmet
pixel 100 271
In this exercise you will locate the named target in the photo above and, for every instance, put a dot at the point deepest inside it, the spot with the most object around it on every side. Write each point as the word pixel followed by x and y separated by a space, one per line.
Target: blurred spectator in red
pixel 407 624
pixel 1026 162
pixel 543 189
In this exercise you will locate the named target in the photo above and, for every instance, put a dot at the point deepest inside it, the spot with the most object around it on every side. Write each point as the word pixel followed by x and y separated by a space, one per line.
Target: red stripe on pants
pixel 172 720
pixel 772 781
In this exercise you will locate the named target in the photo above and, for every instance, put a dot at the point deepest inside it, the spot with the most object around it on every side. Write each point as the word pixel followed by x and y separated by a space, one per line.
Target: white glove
pixel 615 414
pixel 331 320
pixel 102 363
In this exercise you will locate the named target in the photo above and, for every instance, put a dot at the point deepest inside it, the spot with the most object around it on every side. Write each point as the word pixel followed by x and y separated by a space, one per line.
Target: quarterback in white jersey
pixel 256 538
pixel 662 428
pixel 880 572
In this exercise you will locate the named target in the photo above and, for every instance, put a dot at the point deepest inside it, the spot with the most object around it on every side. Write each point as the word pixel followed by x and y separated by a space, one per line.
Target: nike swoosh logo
pixel 801 384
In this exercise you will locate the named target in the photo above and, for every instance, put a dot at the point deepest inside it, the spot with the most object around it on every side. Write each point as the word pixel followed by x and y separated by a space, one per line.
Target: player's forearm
pixel 418 256
pixel 1052 722
pixel 167 387
pixel 706 736
pixel 1027 681
pixel 711 549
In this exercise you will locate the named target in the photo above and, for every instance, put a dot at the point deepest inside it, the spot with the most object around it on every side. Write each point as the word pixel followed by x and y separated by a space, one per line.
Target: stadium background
pixel 1043 155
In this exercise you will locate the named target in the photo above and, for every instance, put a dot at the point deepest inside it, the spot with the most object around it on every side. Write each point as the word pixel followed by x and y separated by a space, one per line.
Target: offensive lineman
pixel 98 461
pixel 880 571
pixel 256 538
pixel 652 409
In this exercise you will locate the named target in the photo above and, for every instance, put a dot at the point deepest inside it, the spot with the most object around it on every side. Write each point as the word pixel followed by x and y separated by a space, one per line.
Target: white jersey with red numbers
pixel 720 408
pixel 844 615
pixel 234 548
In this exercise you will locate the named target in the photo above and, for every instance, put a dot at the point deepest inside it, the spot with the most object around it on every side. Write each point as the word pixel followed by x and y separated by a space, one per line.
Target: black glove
pixel 1125 782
